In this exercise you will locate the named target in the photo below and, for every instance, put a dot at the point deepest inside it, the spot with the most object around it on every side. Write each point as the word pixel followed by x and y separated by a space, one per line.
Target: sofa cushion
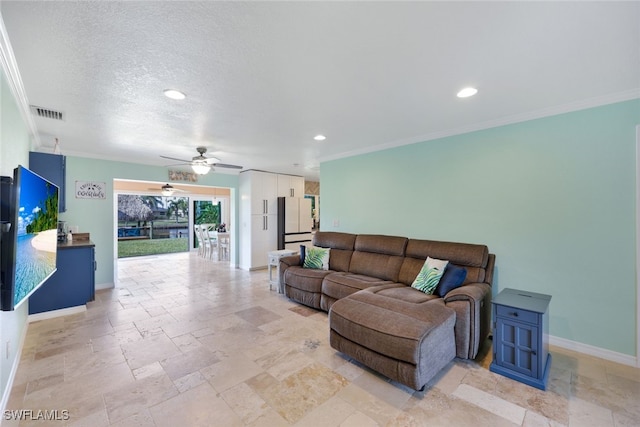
pixel 403 292
pixel 394 328
pixel 429 276
pixel 452 278
pixel 458 253
pixel 387 245
pixel 305 279
pixel 378 256
pixel 473 257
pixel 340 285
pixel 317 257
pixel 385 267
pixel 334 240
pixel 341 245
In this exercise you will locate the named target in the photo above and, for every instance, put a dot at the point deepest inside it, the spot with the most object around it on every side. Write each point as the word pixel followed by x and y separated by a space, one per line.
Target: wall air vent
pixel 46 113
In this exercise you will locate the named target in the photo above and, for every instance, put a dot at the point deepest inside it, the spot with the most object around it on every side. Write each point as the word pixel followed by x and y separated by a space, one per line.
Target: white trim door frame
pixel 638 246
pixel 114 228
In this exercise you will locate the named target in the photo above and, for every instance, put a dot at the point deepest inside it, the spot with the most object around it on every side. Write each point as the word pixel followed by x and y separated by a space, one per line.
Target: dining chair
pixel 223 246
pixel 197 230
pixel 212 238
pixel 204 240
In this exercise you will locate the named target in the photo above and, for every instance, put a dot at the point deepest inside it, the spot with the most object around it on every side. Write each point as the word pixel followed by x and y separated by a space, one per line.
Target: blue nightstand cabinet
pixel 521 337
pixel 52 167
pixel 73 284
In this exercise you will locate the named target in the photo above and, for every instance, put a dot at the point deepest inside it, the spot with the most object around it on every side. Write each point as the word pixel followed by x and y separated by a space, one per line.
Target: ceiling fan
pixel 168 190
pixel 201 164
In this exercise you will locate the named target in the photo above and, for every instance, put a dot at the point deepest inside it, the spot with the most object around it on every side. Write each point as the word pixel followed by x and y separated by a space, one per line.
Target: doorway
pixel 152 225
pixel 205 211
pixel 173 215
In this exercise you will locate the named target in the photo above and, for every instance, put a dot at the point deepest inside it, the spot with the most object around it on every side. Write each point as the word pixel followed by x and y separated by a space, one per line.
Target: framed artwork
pixel 182 176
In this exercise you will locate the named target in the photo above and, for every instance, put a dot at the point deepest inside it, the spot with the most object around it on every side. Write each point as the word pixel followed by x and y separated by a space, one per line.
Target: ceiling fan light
pixel 167 190
pixel 201 168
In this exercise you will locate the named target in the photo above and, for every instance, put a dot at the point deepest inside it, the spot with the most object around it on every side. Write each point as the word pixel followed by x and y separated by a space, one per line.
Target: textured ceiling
pixel 262 78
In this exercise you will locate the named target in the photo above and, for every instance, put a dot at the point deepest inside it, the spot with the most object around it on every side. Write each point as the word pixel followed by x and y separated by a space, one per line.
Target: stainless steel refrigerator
pixel 295 222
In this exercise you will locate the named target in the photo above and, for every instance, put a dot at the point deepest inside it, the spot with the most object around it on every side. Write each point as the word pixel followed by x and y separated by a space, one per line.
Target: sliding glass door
pixel 151 225
pixel 205 211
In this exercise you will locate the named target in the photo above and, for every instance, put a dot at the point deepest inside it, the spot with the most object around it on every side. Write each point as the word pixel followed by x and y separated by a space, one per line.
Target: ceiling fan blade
pixel 159 190
pixel 177 164
pixel 224 165
pixel 180 160
pixel 201 159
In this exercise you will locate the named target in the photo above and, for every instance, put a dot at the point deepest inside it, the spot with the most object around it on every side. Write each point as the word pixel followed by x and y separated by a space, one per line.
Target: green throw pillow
pixel 317 258
pixel 429 276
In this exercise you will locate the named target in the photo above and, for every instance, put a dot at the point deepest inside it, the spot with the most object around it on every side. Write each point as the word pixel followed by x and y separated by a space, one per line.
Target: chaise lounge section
pixel 377 318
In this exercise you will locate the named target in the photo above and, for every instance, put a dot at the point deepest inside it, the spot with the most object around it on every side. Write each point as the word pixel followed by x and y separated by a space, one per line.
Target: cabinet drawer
pixel 516 313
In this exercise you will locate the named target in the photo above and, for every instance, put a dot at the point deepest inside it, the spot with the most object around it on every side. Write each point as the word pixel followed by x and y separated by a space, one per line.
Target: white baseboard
pixel 101 286
pixel 590 350
pixel 14 370
pixel 57 313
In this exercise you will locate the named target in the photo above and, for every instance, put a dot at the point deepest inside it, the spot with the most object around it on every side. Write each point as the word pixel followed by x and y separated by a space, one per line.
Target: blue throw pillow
pixel 303 250
pixel 452 278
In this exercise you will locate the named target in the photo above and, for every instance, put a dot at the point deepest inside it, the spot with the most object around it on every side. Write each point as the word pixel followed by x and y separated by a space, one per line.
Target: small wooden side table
pixel 274 261
pixel 521 337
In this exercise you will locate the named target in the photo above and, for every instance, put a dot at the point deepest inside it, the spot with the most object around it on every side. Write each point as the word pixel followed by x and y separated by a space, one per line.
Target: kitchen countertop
pixel 75 244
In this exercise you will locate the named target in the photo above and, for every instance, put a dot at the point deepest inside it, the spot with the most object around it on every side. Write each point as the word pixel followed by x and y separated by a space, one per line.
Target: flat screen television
pixel 29 203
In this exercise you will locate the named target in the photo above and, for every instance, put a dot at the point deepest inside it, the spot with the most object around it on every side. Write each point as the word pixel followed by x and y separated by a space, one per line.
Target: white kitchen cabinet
pixel 258 217
pixel 290 186
pixel 262 192
pixel 263 240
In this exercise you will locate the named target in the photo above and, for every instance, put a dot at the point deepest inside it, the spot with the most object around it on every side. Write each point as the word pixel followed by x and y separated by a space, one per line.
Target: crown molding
pixel 508 120
pixel 10 69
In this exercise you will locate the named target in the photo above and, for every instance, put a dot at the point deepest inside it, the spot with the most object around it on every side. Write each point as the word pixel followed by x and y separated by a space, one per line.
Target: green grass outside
pixel 161 223
pixel 130 248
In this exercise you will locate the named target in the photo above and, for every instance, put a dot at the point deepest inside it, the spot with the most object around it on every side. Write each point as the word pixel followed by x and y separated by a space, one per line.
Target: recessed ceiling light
pixel 467 92
pixel 174 94
pixel 319 137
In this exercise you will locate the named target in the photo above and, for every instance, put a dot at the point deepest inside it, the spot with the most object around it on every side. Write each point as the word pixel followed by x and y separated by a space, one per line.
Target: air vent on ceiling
pixel 46 113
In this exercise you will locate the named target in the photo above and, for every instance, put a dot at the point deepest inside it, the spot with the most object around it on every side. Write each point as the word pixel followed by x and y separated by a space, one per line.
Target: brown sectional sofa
pixel 377 318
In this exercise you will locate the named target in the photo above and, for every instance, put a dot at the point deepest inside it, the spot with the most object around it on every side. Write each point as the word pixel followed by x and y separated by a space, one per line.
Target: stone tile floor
pixel 183 341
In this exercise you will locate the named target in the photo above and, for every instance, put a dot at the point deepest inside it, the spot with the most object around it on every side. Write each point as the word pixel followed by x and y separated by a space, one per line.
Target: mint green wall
pixel 96 216
pixel 553 198
pixel 14 150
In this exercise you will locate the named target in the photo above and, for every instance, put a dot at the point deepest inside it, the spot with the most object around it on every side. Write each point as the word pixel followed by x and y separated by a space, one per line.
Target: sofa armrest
pixel 472 304
pixel 286 262
pixel 473 291
pixel 290 260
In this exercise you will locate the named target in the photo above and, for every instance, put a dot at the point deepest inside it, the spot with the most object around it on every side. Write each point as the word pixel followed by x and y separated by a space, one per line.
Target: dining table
pixel 221 241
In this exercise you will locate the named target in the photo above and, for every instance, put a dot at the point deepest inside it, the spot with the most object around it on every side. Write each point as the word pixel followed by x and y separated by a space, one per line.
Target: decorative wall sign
pixel 91 190
pixel 182 176
pixel 312 187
